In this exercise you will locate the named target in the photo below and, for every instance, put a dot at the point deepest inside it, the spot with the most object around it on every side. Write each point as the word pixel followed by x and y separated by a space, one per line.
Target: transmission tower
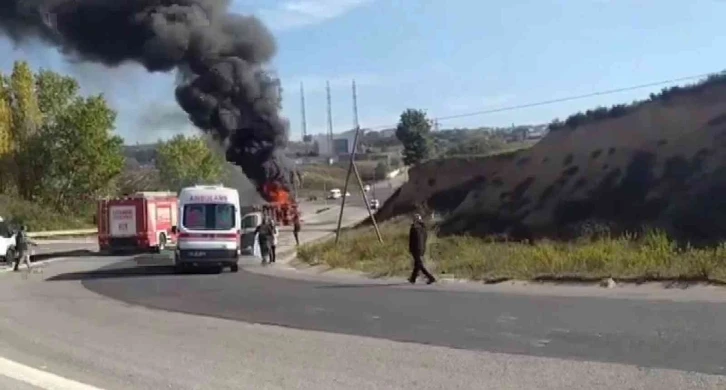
pixel 304 120
pixel 330 119
pixel 356 124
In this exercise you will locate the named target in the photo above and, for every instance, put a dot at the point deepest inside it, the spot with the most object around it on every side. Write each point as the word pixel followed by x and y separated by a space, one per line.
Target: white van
pixel 334 193
pixel 209 227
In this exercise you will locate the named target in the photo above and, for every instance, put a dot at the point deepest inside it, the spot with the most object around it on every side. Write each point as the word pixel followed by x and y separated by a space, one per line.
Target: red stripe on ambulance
pixel 208 236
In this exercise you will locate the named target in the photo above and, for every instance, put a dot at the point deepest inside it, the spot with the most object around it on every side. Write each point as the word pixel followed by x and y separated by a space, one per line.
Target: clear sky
pixel 448 57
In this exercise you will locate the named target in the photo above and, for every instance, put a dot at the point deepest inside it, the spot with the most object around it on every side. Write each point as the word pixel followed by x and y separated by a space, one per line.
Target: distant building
pixel 522 133
pixel 342 143
pixel 342 146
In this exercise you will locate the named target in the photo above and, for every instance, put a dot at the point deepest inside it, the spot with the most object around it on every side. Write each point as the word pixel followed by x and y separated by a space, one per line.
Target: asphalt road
pixel 685 336
pixel 49 249
pixel 52 322
pixel 381 191
pixel 108 322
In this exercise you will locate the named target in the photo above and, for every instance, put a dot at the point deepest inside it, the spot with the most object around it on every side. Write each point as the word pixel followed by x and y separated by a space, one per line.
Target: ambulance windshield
pixel 217 216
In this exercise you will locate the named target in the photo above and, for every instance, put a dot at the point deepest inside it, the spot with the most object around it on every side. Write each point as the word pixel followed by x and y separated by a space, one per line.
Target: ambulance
pixel 209 229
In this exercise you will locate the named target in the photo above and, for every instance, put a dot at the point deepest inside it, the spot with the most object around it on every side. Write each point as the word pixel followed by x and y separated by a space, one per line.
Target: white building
pixel 342 143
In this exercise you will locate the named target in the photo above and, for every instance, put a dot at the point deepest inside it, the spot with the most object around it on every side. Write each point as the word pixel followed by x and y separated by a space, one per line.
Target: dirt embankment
pixel 662 164
pixel 442 184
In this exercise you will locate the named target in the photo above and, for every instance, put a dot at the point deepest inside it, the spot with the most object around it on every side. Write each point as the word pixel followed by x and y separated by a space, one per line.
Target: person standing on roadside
pixel 264 239
pixel 275 233
pixel 21 245
pixel 417 237
pixel 296 229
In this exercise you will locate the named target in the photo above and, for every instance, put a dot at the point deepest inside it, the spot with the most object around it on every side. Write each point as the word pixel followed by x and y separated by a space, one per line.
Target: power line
pixel 564 99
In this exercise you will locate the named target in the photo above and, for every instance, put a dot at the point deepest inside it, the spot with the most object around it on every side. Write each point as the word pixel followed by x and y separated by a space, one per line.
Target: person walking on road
pixel 21 245
pixel 417 247
pixel 296 229
pixel 264 239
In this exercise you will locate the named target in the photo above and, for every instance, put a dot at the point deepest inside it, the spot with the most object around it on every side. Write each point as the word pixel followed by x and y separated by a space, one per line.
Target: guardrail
pixel 89 232
pixel 61 233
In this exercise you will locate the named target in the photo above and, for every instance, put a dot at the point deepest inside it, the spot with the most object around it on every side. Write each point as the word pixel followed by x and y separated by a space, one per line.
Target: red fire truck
pixel 138 222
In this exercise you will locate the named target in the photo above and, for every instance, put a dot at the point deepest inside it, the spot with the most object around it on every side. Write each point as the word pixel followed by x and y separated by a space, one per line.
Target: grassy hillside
pixel 634 192
pixel 657 163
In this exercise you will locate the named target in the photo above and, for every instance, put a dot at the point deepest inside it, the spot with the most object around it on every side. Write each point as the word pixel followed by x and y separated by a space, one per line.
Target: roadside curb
pixel 71 240
pixel 288 259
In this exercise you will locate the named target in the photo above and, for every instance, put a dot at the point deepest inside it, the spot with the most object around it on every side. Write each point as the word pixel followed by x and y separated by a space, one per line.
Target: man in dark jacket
pixel 417 246
pixel 21 245
pixel 265 234
pixel 296 229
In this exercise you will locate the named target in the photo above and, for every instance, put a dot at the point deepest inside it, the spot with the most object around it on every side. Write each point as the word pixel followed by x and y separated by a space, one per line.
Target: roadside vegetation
pixel 619 110
pixel 59 154
pixel 40 217
pixel 653 256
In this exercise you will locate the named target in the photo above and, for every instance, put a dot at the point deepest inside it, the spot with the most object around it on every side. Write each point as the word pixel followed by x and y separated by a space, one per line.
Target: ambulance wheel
pixel 180 268
pixel 234 267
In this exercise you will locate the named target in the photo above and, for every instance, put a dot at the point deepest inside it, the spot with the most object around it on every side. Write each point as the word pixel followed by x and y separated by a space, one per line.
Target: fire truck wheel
pixel 162 243
pixel 234 268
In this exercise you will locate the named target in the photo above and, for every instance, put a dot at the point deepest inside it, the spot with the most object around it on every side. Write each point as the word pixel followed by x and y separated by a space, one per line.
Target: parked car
pixel 334 193
pixel 7 242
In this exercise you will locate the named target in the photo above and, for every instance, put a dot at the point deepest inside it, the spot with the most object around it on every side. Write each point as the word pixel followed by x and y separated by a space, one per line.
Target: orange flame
pixel 276 193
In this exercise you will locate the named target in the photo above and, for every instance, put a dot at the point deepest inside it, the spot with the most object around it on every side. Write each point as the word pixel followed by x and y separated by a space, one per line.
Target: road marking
pixel 38 378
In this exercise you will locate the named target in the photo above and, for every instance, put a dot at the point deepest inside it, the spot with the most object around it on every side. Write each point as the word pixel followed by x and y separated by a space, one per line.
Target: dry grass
pixel 652 257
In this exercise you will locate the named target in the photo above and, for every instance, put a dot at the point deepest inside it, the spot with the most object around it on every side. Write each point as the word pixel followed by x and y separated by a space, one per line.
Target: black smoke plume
pixel 221 57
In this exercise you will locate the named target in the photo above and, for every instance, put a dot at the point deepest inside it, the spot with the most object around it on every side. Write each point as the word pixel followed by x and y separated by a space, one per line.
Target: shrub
pixel 39 217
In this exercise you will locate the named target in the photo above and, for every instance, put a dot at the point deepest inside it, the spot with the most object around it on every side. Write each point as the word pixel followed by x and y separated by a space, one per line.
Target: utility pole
pixel 352 167
pixel 330 119
pixel 304 120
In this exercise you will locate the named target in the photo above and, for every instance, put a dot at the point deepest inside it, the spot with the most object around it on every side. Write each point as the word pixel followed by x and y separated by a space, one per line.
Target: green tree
pixel 6 136
pixel 64 153
pixel 186 161
pixel 414 132
pixel 26 123
pixel 27 117
pixel 86 156
pixel 57 149
pixel 55 93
